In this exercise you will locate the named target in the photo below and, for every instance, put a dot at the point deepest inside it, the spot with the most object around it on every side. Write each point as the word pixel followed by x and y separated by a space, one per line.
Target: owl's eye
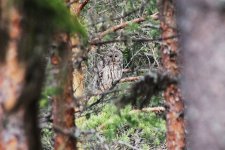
pixel 116 56
pixel 110 56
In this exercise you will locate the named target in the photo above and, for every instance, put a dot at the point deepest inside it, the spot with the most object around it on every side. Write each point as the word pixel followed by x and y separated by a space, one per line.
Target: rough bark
pixel 21 75
pixel 73 85
pixel 78 56
pixel 202 29
pixel 63 111
pixel 175 136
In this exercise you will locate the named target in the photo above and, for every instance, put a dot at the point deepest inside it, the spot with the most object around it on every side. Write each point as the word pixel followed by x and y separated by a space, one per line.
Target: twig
pixel 130 79
pixel 117 27
pixel 73 132
pixel 103 95
pixel 116 18
pixel 81 6
pixel 102 141
pixel 128 70
pixel 125 14
pixel 98 43
pixel 155 16
pixel 95 94
pixel 150 109
pixel 128 145
pixel 123 25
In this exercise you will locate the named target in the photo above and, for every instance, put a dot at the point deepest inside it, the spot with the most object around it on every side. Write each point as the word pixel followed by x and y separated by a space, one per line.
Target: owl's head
pixel 113 57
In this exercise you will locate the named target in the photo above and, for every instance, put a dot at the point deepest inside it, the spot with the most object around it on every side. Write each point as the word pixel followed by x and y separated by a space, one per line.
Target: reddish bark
pixel 12 74
pixel 63 111
pixel 63 106
pixel 20 79
pixel 175 136
pixel 81 6
pixel 63 116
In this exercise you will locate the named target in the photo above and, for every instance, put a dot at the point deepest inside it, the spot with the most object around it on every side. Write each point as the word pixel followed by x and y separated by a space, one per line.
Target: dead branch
pixel 81 6
pixel 73 133
pixel 125 14
pixel 128 145
pixel 155 16
pixel 104 94
pixel 96 94
pixel 98 43
pixel 130 79
pixel 117 27
pixel 123 25
pixel 129 70
pixel 150 109
pixel 115 18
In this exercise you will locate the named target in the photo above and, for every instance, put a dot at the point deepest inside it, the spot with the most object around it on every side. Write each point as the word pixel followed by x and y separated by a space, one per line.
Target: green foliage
pixel 152 7
pixel 46 139
pixel 52 16
pixel 132 27
pixel 121 125
pixel 46 93
pixel 112 125
pixel 154 33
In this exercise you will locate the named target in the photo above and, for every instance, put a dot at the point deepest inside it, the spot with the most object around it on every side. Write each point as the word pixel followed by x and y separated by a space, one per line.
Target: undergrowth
pixel 132 128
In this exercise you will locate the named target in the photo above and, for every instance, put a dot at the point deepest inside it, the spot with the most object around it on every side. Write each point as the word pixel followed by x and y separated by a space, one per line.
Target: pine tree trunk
pixel 63 111
pixel 73 86
pixel 175 136
pixel 21 75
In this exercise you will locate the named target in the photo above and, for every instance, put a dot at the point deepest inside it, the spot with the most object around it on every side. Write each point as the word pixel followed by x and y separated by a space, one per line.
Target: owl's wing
pixel 100 65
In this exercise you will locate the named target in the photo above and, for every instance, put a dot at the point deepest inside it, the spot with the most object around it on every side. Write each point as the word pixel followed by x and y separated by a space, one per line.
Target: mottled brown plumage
pixel 109 69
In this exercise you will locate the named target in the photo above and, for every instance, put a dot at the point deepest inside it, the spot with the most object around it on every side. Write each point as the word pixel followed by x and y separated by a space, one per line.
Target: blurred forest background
pixel 109 126
pixel 108 74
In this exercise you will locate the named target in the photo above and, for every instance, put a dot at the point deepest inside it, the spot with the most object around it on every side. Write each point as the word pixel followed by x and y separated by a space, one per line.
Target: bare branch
pixel 103 95
pixel 98 43
pixel 130 79
pixel 125 15
pixel 73 133
pixel 150 109
pixel 128 145
pixel 117 27
pixel 81 6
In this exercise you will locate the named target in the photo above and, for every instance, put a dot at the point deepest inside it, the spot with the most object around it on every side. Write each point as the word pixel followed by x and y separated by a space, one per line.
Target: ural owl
pixel 109 69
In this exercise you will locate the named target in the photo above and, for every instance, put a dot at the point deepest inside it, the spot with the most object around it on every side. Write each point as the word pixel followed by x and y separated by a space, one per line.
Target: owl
pixel 109 69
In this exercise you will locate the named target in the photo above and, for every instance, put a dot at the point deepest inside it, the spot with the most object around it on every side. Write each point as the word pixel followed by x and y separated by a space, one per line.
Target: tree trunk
pixel 202 39
pixel 73 86
pixel 21 74
pixel 175 136
pixel 63 111
pixel 78 55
